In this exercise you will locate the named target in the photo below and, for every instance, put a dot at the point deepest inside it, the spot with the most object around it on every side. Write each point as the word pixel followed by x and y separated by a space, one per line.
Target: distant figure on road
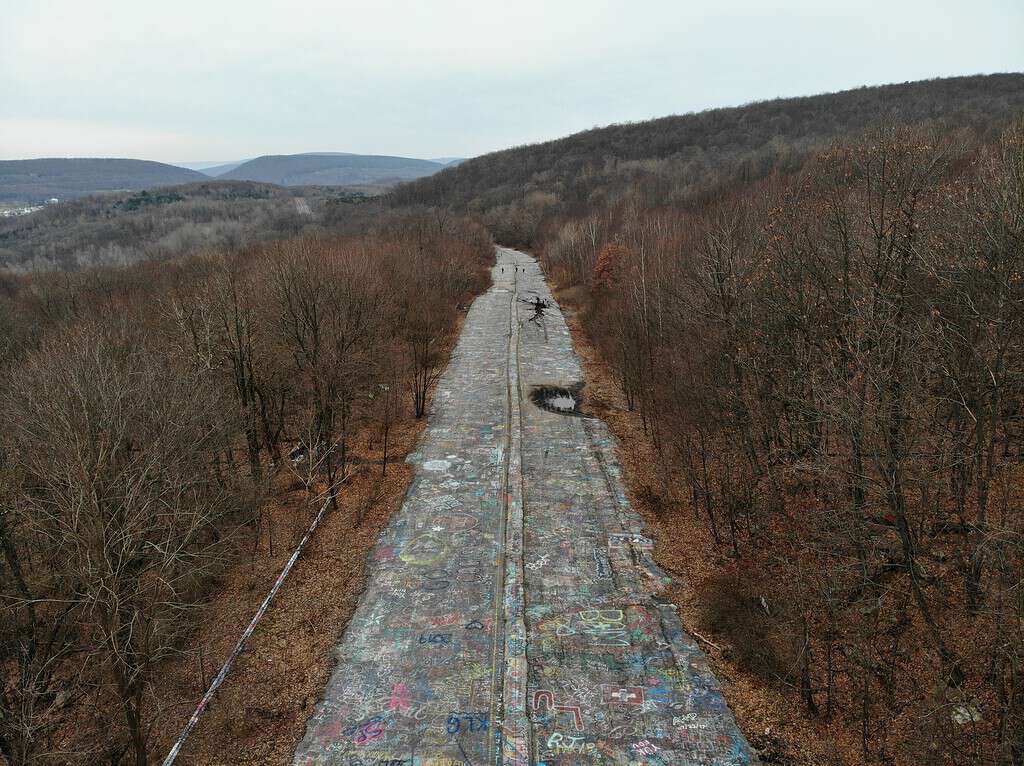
pixel 538 308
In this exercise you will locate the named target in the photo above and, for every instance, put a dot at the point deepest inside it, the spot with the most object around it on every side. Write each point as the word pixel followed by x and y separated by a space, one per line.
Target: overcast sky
pixel 225 79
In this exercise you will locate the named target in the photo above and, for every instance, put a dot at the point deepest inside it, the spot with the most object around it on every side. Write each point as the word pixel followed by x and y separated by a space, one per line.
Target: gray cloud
pixel 221 79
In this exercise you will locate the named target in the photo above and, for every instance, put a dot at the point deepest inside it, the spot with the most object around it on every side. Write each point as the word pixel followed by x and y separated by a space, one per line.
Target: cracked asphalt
pixel 512 615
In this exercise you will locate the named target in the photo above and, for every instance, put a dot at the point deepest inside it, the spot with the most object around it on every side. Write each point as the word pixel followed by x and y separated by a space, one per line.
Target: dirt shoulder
pixel 260 711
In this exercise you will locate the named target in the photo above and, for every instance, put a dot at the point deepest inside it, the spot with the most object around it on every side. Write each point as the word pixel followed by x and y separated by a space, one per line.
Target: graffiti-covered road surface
pixel 511 615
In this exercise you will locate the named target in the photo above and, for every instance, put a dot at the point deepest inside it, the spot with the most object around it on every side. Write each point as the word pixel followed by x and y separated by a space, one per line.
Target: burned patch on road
pixel 563 401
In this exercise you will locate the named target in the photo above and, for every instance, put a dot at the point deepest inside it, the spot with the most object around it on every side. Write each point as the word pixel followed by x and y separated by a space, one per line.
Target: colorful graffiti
pixel 511 616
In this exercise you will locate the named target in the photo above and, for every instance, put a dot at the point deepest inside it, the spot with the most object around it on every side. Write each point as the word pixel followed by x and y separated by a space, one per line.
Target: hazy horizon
pixel 197 83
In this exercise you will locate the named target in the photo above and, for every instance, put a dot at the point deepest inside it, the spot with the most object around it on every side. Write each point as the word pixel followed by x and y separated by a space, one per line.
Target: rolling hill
pixel 684 155
pixel 125 227
pixel 331 169
pixel 41 179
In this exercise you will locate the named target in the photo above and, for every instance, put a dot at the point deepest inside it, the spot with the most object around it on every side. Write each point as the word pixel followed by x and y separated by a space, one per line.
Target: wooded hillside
pixel 38 180
pixel 331 169
pixel 121 229
pixel 686 158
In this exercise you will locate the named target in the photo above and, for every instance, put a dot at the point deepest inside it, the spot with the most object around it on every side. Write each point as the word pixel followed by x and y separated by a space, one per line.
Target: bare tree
pixel 326 316
pixel 118 502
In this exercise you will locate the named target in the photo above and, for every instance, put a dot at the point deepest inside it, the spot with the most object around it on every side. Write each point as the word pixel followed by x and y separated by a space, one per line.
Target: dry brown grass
pixel 260 712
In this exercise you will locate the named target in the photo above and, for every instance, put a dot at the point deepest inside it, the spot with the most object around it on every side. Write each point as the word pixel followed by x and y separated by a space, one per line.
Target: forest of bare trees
pixel 813 307
pixel 829 365
pixel 147 412
pixel 684 160
pixel 122 228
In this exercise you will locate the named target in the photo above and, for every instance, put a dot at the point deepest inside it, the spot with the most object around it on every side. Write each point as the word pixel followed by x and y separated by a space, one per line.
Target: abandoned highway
pixel 511 615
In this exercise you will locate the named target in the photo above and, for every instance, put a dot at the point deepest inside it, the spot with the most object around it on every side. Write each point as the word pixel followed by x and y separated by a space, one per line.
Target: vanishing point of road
pixel 511 616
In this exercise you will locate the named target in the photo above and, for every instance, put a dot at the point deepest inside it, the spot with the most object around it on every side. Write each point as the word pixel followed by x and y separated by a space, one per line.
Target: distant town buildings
pixel 10 212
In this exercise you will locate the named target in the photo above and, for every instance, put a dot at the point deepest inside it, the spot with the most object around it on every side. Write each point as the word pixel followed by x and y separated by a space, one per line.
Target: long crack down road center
pixel 511 615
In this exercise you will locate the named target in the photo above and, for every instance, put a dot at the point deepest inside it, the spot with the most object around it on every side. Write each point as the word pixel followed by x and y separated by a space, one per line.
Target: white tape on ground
pixel 205 701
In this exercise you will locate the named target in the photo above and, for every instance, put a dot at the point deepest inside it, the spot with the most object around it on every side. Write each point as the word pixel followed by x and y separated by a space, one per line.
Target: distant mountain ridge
pixel 68 177
pixel 330 169
pixel 218 169
pixel 215 171
pixel 207 166
pixel 36 180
